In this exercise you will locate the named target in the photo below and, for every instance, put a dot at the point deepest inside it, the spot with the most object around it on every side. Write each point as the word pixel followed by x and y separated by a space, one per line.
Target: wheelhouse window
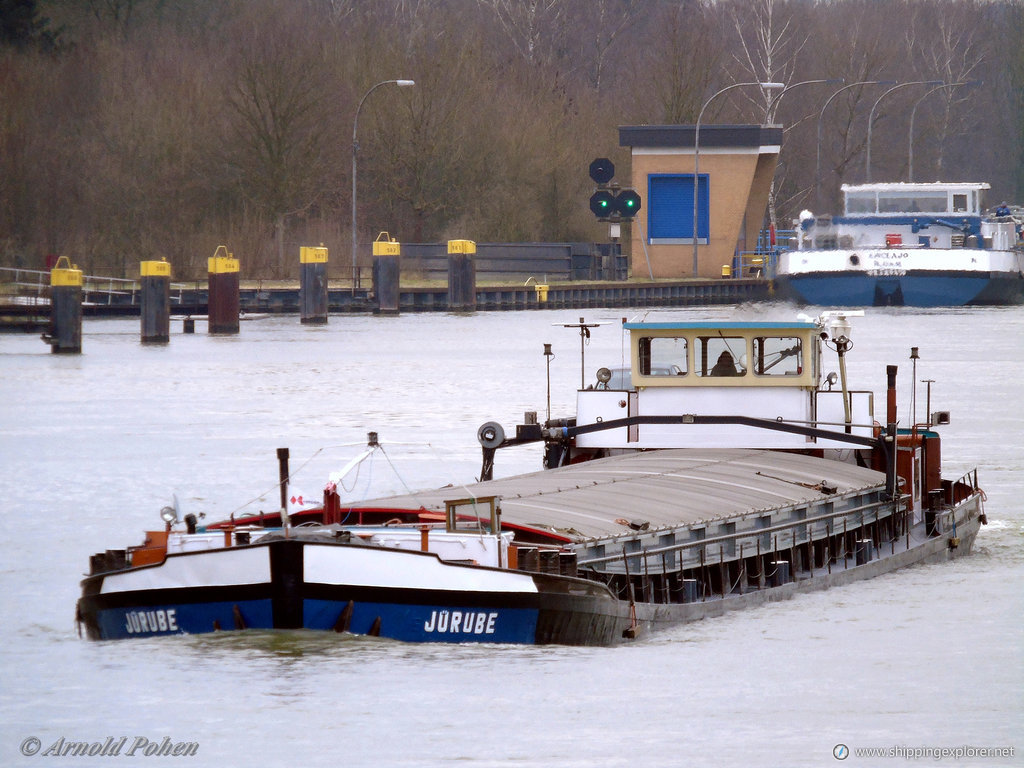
pixel 662 356
pixel 720 356
pixel 860 202
pixel 778 356
pixel 918 202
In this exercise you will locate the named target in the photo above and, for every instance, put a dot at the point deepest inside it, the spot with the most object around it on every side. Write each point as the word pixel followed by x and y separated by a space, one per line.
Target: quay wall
pixel 581 295
pixel 192 299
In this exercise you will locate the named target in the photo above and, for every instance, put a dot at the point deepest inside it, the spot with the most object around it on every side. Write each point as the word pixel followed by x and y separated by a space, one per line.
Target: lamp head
pixel 404 83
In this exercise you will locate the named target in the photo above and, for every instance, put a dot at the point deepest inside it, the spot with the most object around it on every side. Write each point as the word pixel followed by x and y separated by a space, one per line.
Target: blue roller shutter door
pixel 670 208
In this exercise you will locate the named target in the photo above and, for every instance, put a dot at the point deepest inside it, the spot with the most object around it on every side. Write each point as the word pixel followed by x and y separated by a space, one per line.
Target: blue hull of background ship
pixel 908 290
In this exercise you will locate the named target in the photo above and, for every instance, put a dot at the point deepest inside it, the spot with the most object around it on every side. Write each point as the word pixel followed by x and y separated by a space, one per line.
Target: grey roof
pixel 665 488
pixel 710 135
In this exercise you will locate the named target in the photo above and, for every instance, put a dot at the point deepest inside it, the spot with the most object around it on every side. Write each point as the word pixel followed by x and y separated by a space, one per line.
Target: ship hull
pixel 920 289
pixel 416 597
pixel 399 594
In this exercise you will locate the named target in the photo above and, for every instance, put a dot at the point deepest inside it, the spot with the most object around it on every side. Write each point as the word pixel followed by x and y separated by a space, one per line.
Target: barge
pixel 727 469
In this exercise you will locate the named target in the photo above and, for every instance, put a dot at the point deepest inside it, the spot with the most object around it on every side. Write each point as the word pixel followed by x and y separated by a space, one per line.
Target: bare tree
pixel 862 54
pixel 1012 94
pixel 278 132
pixel 950 50
pixel 679 65
pixel 530 25
pixel 767 50
pixel 768 46
pixel 601 24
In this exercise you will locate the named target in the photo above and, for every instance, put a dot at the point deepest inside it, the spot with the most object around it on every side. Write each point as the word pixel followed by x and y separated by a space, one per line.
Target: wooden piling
pixel 65 333
pixel 155 301
pixel 313 285
pixel 462 275
pixel 223 299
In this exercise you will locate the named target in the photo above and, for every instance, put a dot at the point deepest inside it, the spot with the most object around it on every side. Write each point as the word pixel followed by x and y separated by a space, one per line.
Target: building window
pixel 670 209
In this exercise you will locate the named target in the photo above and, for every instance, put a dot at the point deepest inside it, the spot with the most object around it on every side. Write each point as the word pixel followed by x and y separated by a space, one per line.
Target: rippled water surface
pixel 93 445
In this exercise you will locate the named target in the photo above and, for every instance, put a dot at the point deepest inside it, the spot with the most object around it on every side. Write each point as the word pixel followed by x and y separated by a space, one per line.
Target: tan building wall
pixel 739 166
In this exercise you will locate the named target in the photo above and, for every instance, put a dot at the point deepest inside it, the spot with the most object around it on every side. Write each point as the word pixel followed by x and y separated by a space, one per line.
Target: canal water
pixel 92 446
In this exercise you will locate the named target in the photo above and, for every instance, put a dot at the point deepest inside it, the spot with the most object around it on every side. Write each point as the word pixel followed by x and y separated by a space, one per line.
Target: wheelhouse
pixel 761 370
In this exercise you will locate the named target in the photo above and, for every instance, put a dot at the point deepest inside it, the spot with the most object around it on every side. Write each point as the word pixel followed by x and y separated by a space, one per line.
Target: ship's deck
pixel 662 488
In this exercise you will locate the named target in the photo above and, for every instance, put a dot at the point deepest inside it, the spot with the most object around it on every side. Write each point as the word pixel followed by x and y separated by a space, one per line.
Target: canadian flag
pixel 297 502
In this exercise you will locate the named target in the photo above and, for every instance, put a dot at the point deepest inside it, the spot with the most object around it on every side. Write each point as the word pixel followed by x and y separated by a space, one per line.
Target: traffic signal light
pixel 627 203
pixel 602 203
pixel 610 204
pixel 602 170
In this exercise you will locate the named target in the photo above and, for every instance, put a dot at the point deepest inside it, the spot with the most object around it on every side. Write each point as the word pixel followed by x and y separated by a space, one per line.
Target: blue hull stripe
pixel 429 623
pixel 409 623
pixel 181 618
pixel 868 290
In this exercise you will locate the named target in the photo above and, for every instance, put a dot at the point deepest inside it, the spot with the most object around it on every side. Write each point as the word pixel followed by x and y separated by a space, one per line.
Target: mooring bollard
pixel 223 302
pixel 689 588
pixel 155 281
pixel 461 275
pixel 313 285
pixel 65 334
pixel 780 572
pixel 386 274
pixel 864 551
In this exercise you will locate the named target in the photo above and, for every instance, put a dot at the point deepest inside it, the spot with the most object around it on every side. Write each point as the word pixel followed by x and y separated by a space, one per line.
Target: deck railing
pixel 734 537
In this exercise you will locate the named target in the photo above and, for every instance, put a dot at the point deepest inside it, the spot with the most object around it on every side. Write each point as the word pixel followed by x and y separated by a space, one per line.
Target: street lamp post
pixel 355 152
pixel 913 112
pixel 696 152
pixel 821 116
pixel 774 102
pixel 871 119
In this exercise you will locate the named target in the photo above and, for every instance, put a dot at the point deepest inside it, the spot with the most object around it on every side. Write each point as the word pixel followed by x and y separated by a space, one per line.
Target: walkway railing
pixel 32 287
pixel 762 261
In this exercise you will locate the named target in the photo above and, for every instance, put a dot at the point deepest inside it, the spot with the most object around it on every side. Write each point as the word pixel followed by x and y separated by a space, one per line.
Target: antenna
pixel 584 337
pixel 548 354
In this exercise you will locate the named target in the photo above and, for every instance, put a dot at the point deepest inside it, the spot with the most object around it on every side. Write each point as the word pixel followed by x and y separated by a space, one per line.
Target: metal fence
pixel 520 261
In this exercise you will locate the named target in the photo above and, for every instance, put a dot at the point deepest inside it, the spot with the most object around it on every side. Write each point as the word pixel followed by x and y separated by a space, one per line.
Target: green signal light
pixel 602 203
pixel 627 203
